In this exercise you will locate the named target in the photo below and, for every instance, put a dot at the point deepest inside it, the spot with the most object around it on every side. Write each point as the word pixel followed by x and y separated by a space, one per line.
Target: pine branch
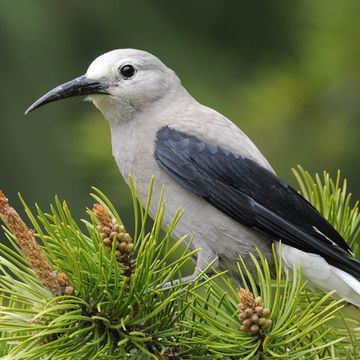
pixel 295 331
pixel 118 307
pixel 331 199
pixel 57 282
pixel 113 303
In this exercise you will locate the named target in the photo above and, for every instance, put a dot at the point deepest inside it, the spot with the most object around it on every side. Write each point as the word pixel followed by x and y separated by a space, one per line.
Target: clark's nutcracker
pixel 232 199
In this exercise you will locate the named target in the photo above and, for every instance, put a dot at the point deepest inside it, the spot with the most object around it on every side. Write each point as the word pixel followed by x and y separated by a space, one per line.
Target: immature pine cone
pixel 254 318
pixel 111 231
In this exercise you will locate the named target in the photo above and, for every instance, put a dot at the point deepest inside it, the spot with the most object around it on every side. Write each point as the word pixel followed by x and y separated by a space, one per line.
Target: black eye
pixel 127 71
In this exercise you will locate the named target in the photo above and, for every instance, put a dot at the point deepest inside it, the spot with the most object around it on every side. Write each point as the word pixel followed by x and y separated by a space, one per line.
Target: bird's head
pixel 119 83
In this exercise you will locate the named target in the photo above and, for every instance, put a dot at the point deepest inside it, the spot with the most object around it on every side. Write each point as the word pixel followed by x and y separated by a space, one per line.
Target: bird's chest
pixel 133 150
pixel 134 155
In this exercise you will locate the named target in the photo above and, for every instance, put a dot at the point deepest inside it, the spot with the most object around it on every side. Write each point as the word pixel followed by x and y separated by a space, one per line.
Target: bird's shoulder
pixel 211 127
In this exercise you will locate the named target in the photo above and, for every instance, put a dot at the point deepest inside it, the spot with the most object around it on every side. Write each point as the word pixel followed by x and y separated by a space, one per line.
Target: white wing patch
pixel 333 243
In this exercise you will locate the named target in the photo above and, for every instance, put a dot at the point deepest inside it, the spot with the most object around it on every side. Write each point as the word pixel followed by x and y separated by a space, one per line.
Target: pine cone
pixel 253 316
pixel 114 235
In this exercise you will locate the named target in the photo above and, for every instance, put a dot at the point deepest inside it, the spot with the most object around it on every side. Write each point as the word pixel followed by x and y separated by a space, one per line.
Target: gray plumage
pixel 232 200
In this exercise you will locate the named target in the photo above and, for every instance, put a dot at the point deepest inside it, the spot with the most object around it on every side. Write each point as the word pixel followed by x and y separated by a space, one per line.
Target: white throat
pixel 115 110
pixel 119 110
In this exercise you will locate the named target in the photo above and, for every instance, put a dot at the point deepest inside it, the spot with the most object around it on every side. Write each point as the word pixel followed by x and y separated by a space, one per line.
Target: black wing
pixel 251 195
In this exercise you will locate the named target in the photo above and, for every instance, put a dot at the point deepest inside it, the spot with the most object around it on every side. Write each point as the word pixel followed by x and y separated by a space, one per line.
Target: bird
pixel 232 199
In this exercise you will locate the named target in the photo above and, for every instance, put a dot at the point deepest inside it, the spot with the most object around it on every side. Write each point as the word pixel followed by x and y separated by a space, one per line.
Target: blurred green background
pixel 287 72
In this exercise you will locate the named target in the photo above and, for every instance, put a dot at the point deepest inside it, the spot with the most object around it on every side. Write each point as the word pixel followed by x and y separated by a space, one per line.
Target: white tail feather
pixel 322 275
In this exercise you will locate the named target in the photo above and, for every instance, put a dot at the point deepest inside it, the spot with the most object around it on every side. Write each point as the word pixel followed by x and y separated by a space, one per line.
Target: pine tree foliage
pixel 93 291
pixel 108 314
pixel 297 331
pixel 331 198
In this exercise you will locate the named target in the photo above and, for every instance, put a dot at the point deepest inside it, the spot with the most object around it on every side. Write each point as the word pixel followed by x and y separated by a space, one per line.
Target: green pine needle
pixel 331 198
pixel 109 313
pixel 112 314
pixel 298 332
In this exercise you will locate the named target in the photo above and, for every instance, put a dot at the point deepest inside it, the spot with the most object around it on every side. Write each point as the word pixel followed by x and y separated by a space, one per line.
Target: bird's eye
pixel 127 71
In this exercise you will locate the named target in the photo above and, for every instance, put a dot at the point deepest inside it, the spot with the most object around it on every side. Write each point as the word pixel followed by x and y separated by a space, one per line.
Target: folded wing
pixel 250 194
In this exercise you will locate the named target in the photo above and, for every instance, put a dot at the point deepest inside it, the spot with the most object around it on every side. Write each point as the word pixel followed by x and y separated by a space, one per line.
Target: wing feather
pixel 250 194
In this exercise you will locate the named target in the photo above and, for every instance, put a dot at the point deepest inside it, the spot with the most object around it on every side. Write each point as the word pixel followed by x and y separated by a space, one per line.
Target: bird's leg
pixel 204 257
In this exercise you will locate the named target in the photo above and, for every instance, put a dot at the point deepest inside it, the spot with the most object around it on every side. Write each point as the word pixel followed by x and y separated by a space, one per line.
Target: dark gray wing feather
pixel 250 194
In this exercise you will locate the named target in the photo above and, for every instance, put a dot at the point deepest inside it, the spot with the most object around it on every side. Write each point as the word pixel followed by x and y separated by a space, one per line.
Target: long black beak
pixel 79 86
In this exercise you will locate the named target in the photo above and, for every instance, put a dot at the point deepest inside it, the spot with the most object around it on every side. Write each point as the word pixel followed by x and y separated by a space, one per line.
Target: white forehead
pixel 104 65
